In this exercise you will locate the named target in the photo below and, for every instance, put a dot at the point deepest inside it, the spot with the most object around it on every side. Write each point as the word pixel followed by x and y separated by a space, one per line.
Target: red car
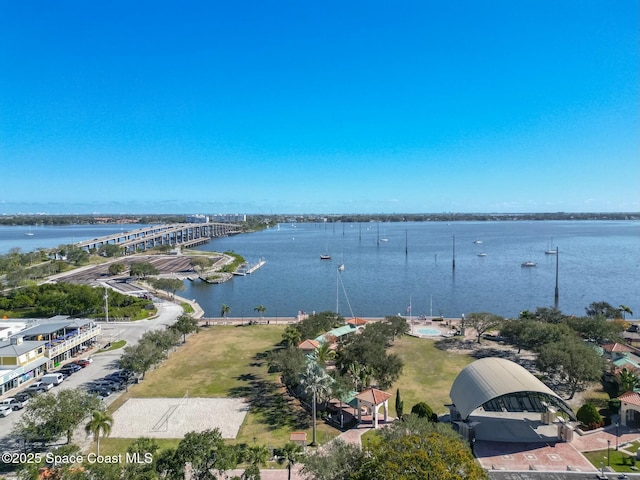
pixel 82 363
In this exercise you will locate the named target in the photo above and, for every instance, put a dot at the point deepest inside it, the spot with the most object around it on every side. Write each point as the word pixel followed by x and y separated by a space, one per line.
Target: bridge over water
pixel 174 235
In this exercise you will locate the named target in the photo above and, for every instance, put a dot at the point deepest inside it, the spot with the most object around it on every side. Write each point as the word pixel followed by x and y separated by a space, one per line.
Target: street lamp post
pixel 608 453
pixel 617 433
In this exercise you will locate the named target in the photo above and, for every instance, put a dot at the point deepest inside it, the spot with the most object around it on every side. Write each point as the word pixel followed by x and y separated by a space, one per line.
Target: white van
pixel 52 379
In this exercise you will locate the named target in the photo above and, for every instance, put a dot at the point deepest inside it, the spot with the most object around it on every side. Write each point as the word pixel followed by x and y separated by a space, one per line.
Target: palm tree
pixel 260 309
pixel 628 380
pixel 624 309
pixel 224 311
pixel 256 455
pixel 100 423
pixel 323 354
pixel 316 382
pixel 291 336
pixel 290 454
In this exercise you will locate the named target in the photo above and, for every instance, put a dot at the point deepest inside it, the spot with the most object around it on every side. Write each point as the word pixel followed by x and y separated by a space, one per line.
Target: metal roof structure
pixel 489 378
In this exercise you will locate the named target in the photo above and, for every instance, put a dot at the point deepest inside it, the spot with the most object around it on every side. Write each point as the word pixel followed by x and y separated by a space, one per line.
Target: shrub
pixel 422 410
pixel 589 416
pixel 614 405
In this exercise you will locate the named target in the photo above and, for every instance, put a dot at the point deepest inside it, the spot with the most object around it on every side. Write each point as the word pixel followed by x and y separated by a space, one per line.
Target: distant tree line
pixel 47 300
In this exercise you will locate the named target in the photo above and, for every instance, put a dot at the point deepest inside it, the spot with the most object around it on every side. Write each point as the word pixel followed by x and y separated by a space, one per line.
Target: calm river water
pixel 598 261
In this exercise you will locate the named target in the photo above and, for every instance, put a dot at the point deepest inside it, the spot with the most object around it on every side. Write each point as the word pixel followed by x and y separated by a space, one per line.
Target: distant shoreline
pixel 133 218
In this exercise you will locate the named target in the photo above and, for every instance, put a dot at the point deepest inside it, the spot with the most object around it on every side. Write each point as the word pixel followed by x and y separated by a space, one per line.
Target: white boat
pixel 550 250
pixel 341 267
pixel 29 233
pixel 528 264
pixel 482 254
pixel 477 242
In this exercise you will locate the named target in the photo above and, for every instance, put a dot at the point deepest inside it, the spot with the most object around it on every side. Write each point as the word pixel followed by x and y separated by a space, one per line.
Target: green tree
pixel 335 461
pixel 225 310
pixel 142 269
pixel 206 451
pixel 116 269
pixel 260 309
pixel 141 357
pixel 100 424
pixel 589 416
pixel 603 309
pixel 483 322
pixel 422 410
pixel 47 417
pixel 256 455
pixel 290 455
pixel 414 457
pixel 628 380
pixel 625 310
pixel 323 354
pixel 572 361
pixel 185 324
pixel 72 407
pixel 171 285
pixel 316 383
pixel 291 336
pixel 110 250
pixel 399 404
pixel 145 449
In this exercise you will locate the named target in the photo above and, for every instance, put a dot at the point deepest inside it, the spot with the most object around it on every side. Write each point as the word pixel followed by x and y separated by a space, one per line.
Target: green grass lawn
pixel 427 375
pixel 229 361
pixel 620 461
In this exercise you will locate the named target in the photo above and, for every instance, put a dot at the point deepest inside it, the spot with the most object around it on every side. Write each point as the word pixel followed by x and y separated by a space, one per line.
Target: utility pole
pixel 454 252
pixel 106 304
pixel 556 294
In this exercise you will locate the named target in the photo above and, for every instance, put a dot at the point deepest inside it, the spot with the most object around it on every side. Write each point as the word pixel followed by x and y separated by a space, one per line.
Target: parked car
pixel 22 397
pixel 83 362
pixel 113 386
pixel 5 411
pixel 39 387
pixel 99 391
pixel 13 403
pixel 70 368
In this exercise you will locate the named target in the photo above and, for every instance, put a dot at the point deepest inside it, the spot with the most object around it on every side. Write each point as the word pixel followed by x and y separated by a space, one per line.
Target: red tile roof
pixel 356 322
pixel 632 398
pixel 308 345
pixel 373 396
pixel 617 347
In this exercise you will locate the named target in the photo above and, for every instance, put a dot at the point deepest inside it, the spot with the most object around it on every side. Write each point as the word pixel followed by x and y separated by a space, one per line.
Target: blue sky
pixel 319 107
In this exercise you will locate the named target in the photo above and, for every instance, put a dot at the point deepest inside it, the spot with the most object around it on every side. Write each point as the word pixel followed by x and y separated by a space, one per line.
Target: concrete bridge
pixel 174 235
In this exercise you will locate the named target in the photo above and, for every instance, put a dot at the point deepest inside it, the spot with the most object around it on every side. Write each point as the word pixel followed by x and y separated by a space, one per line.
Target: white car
pixel 5 410
pixel 14 403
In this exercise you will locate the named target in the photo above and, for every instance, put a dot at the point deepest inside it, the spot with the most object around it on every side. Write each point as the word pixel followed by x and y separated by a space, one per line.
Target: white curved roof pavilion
pixel 497 384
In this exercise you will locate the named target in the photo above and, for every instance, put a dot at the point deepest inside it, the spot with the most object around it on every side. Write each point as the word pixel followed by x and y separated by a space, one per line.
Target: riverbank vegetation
pixel 48 300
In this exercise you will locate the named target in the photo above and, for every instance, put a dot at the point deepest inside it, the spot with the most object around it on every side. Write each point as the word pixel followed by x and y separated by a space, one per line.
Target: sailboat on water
pixel 550 250
pixel 29 233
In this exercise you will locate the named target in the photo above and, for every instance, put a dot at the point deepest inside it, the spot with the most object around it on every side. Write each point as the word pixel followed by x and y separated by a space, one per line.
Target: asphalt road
pixel 103 362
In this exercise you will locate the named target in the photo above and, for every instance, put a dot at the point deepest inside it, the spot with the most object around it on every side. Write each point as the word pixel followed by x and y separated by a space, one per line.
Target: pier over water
pixel 174 235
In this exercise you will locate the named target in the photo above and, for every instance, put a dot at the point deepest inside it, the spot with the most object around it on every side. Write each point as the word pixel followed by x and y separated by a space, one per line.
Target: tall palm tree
pixel 624 309
pixel 224 310
pixel 100 423
pixel 260 309
pixel 316 382
pixel 290 454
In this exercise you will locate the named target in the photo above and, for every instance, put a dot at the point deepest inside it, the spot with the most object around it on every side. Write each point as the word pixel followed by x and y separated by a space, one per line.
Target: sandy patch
pixel 175 417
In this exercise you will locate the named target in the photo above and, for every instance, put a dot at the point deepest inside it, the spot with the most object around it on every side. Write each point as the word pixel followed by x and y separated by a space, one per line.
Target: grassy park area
pixel 229 361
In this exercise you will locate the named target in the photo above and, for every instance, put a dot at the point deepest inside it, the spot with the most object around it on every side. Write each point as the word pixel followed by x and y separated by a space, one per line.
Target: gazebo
pixel 371 399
